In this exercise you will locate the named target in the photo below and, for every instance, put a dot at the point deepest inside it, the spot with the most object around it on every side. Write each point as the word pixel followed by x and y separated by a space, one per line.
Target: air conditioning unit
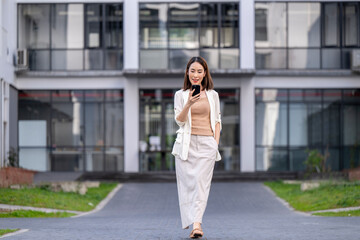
pixel 355 60
pixel 22 58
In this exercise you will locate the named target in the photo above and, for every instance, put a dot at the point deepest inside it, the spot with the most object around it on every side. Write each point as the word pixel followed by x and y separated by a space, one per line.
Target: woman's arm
pixel 184 113
pixel 217 132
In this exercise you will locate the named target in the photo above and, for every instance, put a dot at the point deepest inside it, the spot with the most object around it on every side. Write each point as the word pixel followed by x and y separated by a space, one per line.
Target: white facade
pixel 131 80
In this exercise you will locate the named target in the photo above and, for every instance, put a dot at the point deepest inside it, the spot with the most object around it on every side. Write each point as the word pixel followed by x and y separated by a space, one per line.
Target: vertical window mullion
pixel 103 33
pixel 219 25
pixel 51 7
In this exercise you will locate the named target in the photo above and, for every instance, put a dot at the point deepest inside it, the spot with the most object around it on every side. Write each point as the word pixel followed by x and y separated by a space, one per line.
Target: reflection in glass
pixel 297 158
pixel 67 159
pixel 209 25
pixel 94 59
pixel 332 95
pixel 66 124
pixel 67 26
pixel 331 24
pixel 331 58
pixel 298 124
pixel 179 58
pixel 33 26
pixel 153 21
pixel 270 58
pixel 67 60
pixel 211 56
pixel 331 124
pixel 113 60
pixel 93 23
pixel 314 124
pixel 39 60
pixel 271 124
pixel 94 127
pixel 270 159
pixel 114 121
pixel 154 59
pixel 229 58
pixel 351 29
pixel 270 24
pixel 304 58
pixel 113 29
pixel 351 125
pixel 304 24
pixel 183 25
pixel 114 160
pixel 229 25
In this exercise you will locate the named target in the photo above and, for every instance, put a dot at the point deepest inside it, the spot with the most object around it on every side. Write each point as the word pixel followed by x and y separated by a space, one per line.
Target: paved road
pixel 150 211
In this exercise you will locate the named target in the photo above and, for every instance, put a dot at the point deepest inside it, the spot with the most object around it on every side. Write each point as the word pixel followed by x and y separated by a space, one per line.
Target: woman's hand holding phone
pixel 193 99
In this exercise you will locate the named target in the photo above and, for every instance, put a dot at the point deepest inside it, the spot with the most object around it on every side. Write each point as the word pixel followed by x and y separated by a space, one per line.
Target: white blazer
pixel 182 142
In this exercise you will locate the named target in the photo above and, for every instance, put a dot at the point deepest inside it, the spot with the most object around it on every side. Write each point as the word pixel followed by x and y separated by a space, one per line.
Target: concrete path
pixel 150 211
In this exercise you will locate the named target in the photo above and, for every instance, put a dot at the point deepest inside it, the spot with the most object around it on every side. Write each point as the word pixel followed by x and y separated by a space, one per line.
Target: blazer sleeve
pixel 217 109
pixel 178 107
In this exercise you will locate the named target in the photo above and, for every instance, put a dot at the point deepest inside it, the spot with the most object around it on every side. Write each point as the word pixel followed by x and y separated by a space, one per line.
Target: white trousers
pixel 193 177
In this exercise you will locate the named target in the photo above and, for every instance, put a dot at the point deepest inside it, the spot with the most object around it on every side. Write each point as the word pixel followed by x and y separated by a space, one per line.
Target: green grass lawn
pixel 34 214
pixel 5 231
pixel 329 195
pixel 42 197
pixel 355 213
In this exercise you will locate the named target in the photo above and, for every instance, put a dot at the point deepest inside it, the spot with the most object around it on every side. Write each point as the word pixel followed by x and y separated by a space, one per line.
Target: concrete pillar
pixel 247 126
pixel 247 34
pixel 131 125
pixel 131 38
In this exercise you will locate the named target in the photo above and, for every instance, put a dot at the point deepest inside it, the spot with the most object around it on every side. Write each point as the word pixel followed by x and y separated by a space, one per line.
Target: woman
pixel 196 145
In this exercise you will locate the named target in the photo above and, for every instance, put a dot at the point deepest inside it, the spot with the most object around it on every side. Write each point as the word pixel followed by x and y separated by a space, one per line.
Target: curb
pixel 337 210
pixel 286 204
pixel 102 204
pixel 14 233
pixel 46 210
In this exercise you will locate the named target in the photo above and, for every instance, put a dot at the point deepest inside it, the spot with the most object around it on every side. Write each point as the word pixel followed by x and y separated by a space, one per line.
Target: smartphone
pixel 197 89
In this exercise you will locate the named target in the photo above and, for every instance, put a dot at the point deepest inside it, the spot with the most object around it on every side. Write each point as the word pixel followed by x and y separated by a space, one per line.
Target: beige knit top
pixel 200 118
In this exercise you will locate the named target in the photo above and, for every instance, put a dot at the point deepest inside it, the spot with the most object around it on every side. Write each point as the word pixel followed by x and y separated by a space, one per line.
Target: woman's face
pixel 196 73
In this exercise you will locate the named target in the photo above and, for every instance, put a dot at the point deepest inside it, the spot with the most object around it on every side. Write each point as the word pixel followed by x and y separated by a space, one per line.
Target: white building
pixel 94 90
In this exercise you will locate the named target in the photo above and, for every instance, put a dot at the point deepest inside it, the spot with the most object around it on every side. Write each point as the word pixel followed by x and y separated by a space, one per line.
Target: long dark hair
pixel 207 83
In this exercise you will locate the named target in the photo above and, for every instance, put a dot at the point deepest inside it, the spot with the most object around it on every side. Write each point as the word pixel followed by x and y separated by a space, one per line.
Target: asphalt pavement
pixel 236 210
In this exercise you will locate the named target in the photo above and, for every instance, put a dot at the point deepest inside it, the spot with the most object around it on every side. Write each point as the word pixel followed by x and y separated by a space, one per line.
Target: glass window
pixel 94 127
pixel 94 59
pixel 304 58
pixel 179 58
pixel 67 26
pixel 67 122
pixel 153 25
pixel 113 29
pixel 270 159
pixel 270 58
pixel 271 124
pixel 229 58
pixel 113 59
pixel 298 124
pixel 331 58
pixel 34 28
pixel 351 25
pixel 304 24
pixel 209 25
pixel 94 18
pixel 331 24
pixel 39 60
pixel 183 25
pixel 67 60
pixel 212 57
pixel 229 25
pixel 154 59
pixel 270 24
